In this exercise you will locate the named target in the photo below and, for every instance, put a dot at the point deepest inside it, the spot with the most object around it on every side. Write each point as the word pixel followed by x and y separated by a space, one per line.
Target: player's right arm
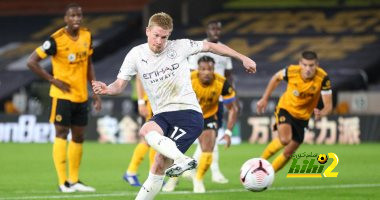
pixel 42 52
pixel 114 88
pixel 272 85
pixel 142 108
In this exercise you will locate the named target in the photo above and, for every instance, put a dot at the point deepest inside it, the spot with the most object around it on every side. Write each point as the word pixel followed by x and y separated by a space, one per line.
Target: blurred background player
pixel 70 49
pixel 209 86
pixel 306 82
pixel 145 111
pixel 223 66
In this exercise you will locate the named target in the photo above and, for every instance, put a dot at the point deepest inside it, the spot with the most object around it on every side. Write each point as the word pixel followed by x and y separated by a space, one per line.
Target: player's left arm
pixel 229 99
pixel 326 93
pixel 142 104
pixel 97 102
pixel 224 50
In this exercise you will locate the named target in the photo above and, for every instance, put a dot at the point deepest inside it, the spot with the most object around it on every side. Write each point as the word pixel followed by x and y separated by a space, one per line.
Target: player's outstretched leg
pixel 168 148
pixel 180 166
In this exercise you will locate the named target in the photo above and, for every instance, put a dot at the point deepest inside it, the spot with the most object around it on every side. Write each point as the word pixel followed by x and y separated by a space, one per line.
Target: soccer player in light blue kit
pixel 162 66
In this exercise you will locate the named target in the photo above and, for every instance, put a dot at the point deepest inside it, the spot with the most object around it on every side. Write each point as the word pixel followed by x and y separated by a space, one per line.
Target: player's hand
pixel 261 105
pixel 249 64
pixel 61 85
pixel 227 138
pixel 143 111
pixel 97 102
pixel 99 87
pixel 317 114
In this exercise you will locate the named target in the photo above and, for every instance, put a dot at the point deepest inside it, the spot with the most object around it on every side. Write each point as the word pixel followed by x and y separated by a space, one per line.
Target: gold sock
pixel 137 157
pixel 59 158
pixel 75 157
pixel 152 154
pixel 205 161
pixel 272 148
pixel 279 162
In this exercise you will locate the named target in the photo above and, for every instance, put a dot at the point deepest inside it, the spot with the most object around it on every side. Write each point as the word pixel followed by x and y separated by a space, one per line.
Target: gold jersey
pixel 208 95
pixel 70 62
pixel 301 97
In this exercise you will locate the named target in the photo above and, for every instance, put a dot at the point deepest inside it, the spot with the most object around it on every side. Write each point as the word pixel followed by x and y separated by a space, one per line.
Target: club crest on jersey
pixel 296 93
pixel 71 57
pixel 172 54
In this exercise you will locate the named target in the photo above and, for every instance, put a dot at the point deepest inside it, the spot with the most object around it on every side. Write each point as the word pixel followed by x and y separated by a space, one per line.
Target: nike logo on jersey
pixel 145 61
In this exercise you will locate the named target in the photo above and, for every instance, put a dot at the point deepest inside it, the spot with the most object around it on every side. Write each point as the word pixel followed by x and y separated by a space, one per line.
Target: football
pixel 256 174
pixel 322 158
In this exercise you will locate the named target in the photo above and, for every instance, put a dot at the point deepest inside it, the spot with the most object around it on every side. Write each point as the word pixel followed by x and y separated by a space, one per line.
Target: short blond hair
pixel 162 20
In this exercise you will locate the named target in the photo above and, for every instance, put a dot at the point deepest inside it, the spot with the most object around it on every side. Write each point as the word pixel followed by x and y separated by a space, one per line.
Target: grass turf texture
pixel 27 172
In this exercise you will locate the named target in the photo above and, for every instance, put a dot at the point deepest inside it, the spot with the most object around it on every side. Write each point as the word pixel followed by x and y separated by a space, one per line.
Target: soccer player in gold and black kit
pixel 209 86
pixel 306 82
pixel 70 49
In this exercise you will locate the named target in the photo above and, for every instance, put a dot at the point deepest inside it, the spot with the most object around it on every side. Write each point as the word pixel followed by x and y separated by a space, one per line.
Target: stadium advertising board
pixel 118 124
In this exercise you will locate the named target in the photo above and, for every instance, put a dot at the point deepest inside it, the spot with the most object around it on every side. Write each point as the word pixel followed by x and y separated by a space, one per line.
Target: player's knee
pixel 208 149
pixel 141 134
pixel 284 141
pixel 207 146
pixel 62 132
pixel 78 138
pixel 143 131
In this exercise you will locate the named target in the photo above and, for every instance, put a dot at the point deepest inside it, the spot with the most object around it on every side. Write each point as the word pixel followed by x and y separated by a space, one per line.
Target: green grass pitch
pixel 27 172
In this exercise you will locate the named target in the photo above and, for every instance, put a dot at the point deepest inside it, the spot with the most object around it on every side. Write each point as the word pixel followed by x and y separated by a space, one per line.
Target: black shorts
pixel 67 113
pixel 211 123
pixel 298 125
pixel 183 127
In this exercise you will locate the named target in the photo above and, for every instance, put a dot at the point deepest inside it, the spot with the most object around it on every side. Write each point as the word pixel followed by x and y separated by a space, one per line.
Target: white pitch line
pixel 118 194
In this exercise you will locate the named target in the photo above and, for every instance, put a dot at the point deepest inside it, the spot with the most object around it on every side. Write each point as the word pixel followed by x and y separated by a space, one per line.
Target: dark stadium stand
pixel 346 40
